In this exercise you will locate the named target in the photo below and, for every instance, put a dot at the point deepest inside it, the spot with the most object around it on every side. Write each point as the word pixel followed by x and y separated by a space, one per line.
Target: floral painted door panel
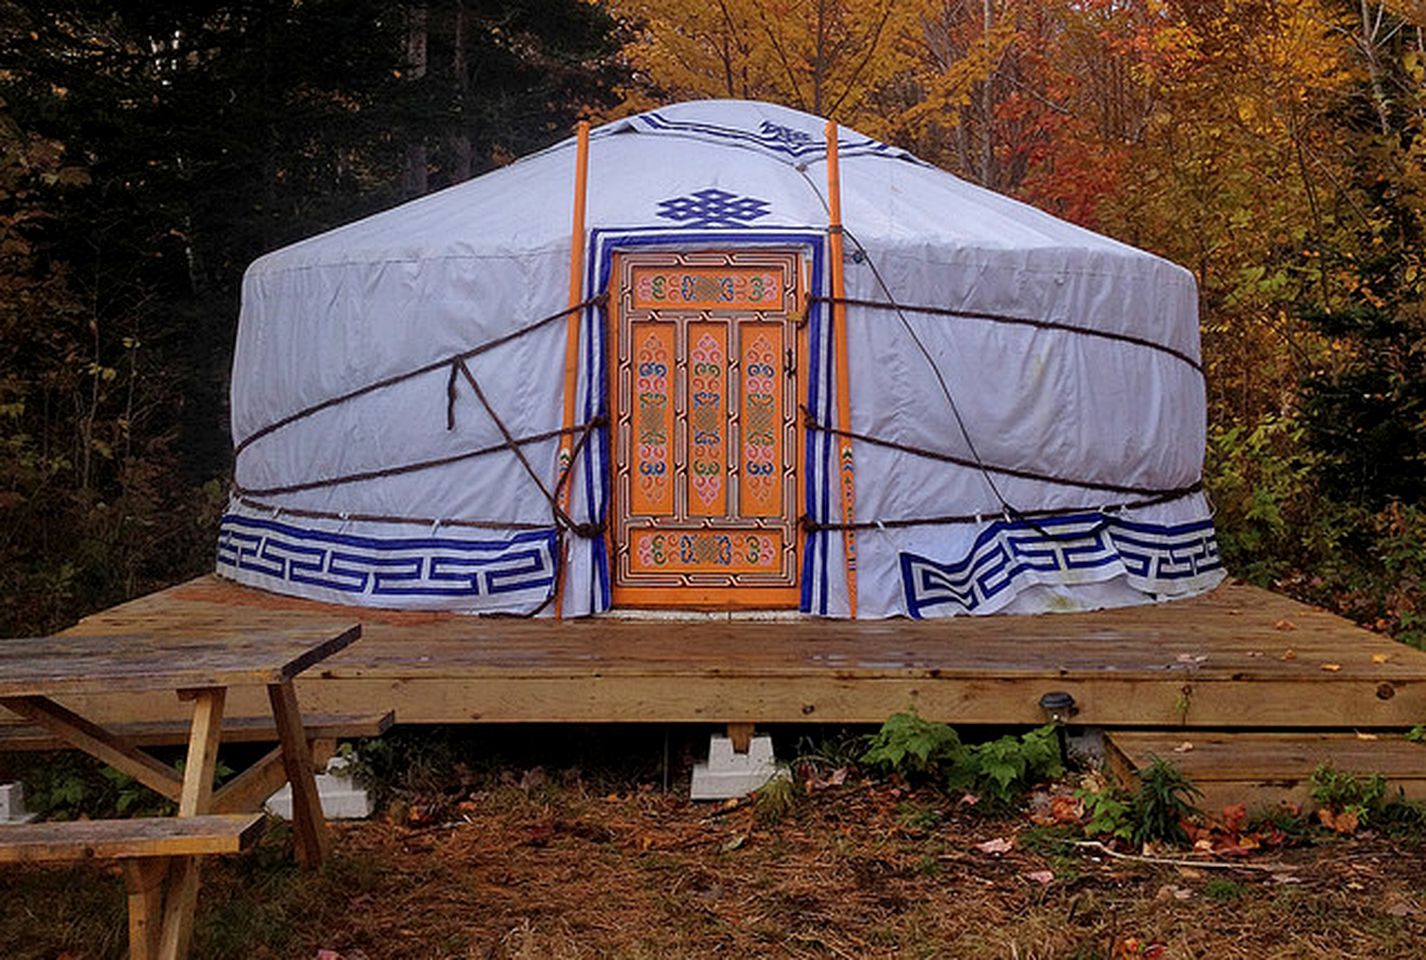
pixel 705 428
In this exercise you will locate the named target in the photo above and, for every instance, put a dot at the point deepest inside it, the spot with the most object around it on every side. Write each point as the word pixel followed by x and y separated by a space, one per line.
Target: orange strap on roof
pixel 846 481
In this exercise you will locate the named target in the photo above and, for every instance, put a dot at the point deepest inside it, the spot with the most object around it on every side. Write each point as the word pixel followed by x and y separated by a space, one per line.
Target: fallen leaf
pixel 735 843
pixel 1380 657
pixel 1344 823
pixel 1042 877
pixel 995 847
pixel 1284 624
pixel 837 777
pixel 1192 657
pixel 1331 667
pixel 1191 873
pixel 969 799
pixel 1066 809
pixel 1367 736
pixel 1184 747
pixel 1403 909
pixel 1288 654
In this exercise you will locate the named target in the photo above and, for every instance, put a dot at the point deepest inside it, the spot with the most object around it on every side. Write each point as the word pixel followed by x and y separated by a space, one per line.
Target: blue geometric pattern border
pixel 713 208
pixel 388 567
pixel 1014 554
pixel 782 141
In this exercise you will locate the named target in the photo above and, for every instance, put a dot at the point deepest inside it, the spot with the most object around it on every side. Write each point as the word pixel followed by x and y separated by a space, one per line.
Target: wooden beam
pixel 197 795
pixel 742 736
pixel 249 789
pixel 143 881
pixel 142 838
pixel 97 742
pixel 309 827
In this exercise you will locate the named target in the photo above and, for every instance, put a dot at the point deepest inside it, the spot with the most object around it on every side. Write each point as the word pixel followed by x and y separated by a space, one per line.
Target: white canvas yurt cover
pixel 464 404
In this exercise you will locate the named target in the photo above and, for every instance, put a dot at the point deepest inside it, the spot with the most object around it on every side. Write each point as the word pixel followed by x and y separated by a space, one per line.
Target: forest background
pixel 150 151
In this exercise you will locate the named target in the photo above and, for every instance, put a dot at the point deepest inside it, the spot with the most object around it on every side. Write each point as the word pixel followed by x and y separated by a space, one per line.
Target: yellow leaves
pixel 823 56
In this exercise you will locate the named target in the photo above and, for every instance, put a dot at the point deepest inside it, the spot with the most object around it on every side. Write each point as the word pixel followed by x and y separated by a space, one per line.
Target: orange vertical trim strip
pixel 846 475
pixel 571 344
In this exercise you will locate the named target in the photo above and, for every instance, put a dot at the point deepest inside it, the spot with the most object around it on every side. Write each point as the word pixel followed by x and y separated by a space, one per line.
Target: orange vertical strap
pixel 571 344
pixel 846 475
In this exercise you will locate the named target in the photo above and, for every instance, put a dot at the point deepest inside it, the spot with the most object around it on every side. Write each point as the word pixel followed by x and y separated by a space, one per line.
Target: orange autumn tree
pixel 836 58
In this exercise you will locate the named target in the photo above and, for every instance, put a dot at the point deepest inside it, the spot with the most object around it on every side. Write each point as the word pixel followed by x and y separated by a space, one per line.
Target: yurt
pixel 707 358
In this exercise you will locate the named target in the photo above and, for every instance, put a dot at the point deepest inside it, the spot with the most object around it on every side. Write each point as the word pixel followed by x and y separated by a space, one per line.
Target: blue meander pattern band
pixel 487 567
pixel 1015 554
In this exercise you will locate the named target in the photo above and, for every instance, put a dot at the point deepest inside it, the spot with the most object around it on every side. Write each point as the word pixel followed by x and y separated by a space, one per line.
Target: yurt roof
pixel 714 164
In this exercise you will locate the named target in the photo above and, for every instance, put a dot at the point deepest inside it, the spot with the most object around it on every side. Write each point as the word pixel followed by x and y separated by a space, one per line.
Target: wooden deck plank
pixel 1244 656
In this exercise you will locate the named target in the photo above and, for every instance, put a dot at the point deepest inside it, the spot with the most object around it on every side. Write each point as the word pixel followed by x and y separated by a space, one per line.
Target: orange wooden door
pixel 706 440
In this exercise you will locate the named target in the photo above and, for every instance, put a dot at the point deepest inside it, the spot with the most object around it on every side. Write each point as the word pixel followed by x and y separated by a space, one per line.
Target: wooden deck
pixel 1237 658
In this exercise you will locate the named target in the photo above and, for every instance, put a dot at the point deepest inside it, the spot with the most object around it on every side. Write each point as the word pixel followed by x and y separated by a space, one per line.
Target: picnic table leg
pixel 309 827
pixel 203 738
pixel 143 880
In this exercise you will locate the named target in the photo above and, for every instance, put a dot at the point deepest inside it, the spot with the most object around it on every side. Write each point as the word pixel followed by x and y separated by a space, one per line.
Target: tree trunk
pixel 413 180
pixel 461 154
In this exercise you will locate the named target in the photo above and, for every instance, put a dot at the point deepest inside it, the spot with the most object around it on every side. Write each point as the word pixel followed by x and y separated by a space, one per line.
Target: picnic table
pixel 163 891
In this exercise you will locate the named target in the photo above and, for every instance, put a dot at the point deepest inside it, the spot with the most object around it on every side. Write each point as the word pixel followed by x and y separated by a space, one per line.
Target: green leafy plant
pixel 1360 798
pixel 1417 734
pixel 914 748
pixel 1002 769
pixel 1165 800
pixel 1110 813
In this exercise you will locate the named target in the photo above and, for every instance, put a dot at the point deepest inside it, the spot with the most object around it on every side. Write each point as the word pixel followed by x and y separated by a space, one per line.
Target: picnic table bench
pixel 161 856
pixel 146 849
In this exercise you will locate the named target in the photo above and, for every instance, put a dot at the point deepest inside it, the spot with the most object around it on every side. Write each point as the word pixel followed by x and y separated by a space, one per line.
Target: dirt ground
pixel 555 868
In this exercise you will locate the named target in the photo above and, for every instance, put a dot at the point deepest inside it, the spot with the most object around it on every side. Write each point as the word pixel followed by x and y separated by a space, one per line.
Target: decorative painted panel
pixel 707 419
pixel 710 551
pixel 651 446
pixel 760 415
pixel 748 288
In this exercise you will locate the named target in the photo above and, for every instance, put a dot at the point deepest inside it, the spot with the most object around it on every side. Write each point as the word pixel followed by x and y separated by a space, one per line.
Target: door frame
pixel 713 597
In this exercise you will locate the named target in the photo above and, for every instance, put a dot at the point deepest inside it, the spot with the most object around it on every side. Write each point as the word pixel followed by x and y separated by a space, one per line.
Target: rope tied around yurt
pixel 458 368
pixel 1011 320
pixel 598 300
pixel 1150 496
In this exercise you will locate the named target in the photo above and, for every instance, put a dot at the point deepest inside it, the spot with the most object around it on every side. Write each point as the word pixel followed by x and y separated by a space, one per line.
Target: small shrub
pixel 1164 801
pixel 775 799
pixel 1359 799
pixel 1001 770
pixel 914 748
pixel 1110 813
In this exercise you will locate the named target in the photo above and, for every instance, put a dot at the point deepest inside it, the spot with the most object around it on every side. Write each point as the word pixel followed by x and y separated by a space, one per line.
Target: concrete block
pixel 728 774
pixel 342 798
pixel 12 803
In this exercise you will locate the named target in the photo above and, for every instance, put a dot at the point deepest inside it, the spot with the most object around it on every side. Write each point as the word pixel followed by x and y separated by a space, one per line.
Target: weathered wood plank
pixel 1264 769
pixel 245 729
pixel 143 882
pixel 128 839
pixel 152 658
